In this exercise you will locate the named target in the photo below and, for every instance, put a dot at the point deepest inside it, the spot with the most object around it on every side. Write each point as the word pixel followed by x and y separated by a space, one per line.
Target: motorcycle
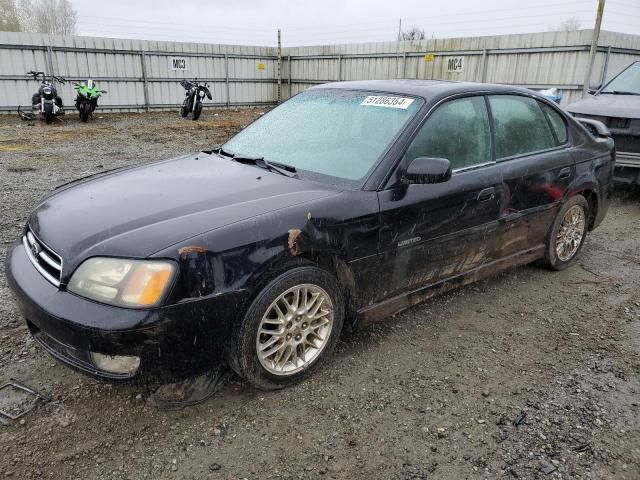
pixel 87 98
pixel 45 101
pixel 195 93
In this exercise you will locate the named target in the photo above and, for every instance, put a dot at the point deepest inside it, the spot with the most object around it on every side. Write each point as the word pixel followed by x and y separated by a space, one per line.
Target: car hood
pixel 607 105
pixel 138 211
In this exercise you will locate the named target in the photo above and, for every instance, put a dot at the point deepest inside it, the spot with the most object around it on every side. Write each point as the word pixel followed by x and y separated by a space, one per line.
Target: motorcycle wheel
pixel 197 111
pixel 184 110
pixel 48 113
pixel 85 111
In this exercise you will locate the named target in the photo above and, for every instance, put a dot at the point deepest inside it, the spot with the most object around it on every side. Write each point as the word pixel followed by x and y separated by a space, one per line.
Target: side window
pixel 520 126
pixel 557 123
pixel 458 131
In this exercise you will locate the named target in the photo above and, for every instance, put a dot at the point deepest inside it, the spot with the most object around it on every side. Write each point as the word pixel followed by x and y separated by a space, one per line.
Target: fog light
pixel 115 363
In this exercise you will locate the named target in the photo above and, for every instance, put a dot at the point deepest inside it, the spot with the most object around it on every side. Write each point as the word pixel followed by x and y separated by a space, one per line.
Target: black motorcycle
pixel 194 97
pixel 45 101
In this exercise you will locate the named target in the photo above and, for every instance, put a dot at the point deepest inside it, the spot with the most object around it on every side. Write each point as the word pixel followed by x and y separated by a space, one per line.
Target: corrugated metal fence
pixel 137 74
pixel 537 60
pixel 144 75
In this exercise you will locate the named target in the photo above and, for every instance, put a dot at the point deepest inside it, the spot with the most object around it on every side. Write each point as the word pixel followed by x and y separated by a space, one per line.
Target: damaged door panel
pixel 431 232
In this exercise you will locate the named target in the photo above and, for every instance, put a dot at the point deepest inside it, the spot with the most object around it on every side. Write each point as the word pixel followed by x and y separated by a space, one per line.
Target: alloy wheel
pixel 295 329
pixel 570 233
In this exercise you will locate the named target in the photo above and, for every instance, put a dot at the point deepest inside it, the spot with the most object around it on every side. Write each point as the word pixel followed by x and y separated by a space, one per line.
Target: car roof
pixel 427 89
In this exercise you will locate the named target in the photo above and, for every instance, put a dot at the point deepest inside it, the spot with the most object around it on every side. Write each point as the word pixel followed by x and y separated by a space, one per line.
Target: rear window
pixel 557 124
pixel 520 126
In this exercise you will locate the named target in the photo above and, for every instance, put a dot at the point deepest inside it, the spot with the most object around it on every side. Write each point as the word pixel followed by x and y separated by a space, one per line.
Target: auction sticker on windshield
pixel 390 102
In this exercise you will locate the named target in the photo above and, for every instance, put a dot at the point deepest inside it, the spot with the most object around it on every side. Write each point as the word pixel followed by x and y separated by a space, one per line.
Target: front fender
pixel 238 257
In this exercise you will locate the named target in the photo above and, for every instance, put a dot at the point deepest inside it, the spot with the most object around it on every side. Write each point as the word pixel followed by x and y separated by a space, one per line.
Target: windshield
pixel 627 82
pixel 336 133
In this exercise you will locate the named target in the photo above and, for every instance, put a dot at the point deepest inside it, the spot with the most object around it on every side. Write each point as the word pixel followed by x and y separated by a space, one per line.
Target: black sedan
pixel 349 202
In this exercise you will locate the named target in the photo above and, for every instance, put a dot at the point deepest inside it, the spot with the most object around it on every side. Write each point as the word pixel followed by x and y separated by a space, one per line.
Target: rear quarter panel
pixel 594 170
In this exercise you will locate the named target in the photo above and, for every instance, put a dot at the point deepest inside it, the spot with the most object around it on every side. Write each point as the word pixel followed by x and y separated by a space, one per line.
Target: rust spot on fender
pixel 294 248
pixel 184 251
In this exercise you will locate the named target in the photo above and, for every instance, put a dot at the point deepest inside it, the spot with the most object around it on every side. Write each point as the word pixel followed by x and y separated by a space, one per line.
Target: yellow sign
pixel 428 57
pixel 261 66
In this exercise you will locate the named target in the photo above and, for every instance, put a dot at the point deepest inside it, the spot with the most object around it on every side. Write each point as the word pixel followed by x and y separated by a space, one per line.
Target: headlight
pixel 122 282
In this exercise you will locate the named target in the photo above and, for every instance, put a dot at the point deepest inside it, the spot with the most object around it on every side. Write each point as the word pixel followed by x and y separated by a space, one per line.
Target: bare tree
pixel 569 25
pixel 9 20
pixel 414 33
pixel 48 16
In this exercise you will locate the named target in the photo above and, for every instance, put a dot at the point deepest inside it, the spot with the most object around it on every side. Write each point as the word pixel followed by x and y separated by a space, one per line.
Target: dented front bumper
pixel 172 342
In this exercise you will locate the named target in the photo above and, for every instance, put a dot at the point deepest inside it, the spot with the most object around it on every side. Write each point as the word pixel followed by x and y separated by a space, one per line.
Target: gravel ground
pixel 430 393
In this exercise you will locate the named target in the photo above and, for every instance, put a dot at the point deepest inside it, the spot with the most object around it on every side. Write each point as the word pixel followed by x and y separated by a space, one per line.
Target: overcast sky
pixel 305 22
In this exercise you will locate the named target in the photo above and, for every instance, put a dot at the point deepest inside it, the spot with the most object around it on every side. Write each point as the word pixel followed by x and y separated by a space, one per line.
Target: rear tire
pixel 184 110
pixel 567 234
pixel 197 110
pixel 301 334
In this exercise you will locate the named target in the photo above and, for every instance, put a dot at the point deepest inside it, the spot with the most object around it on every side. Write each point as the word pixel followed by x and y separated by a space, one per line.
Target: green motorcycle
pixel 87 99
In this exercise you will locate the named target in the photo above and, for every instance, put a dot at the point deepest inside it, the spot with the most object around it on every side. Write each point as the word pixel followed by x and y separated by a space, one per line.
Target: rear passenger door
pixel 537 167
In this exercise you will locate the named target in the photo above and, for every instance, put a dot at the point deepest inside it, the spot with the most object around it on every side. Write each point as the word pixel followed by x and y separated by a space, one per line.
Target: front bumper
pixel 627 168
pixel 172 342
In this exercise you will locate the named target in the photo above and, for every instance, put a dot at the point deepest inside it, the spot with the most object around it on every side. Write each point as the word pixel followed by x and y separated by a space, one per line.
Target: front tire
pixel 290 328
pixel 48 113
pixel 85 111
pixel 568 233
pixel 197 110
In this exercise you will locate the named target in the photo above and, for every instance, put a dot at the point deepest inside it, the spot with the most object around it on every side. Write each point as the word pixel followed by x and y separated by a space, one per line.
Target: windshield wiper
pixel 286 170
pixel 622 92
pixel 223 152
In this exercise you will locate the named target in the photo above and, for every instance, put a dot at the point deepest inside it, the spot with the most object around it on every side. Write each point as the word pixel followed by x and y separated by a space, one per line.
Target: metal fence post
pixel 145 85
pixel 404 64
pixel 339 68
pixel 605 66
pixel 279 68
pixel 226 77
pixel 50 62
pixel 483 67
pixel 50 59
pixel 289 74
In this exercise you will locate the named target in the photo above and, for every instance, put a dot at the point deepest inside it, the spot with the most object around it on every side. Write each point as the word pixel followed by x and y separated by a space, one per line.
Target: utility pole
pixel 594 47
pixel 279 67
pixel 400 30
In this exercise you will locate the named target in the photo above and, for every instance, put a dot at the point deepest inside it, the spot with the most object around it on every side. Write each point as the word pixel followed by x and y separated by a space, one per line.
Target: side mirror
pixel 428 170
pixel 594 87
pixel 595 127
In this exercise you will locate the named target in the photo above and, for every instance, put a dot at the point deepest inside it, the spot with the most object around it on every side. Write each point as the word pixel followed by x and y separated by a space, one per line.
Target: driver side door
pixel 434 232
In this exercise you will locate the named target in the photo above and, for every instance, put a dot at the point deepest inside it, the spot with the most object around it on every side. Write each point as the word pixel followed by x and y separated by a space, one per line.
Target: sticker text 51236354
pixel 389 102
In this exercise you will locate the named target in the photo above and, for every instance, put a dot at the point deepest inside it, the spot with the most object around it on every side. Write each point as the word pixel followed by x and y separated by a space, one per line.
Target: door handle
pixel 487 194
pixel 564 173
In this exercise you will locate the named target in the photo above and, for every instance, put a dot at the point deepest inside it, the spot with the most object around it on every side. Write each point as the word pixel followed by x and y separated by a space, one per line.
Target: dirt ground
pixel 429 394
